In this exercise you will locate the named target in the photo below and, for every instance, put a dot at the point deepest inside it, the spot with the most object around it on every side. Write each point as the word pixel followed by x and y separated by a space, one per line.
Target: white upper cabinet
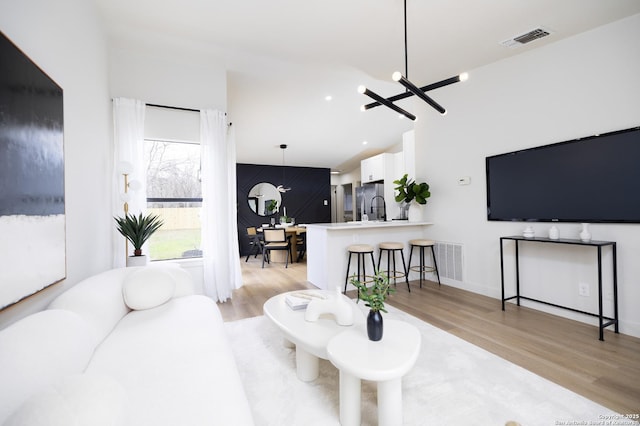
pixel 376 168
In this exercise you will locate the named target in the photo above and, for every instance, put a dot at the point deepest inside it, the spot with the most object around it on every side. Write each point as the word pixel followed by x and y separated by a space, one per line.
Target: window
pixel 174 193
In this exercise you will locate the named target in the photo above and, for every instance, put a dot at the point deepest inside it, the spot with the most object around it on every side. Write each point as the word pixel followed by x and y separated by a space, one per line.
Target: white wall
pixel 167 78
pixel 577 87
pixel 65 39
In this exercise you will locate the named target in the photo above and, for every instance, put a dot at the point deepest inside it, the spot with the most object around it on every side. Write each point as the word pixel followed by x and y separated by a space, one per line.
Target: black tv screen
pixel 592 179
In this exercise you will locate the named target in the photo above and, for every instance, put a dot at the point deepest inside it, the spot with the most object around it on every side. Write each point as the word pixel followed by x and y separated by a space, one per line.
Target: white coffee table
pixel 309 338
pixel 384 362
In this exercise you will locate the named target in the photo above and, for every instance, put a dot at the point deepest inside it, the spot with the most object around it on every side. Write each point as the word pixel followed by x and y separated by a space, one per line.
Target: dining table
pixel 291 232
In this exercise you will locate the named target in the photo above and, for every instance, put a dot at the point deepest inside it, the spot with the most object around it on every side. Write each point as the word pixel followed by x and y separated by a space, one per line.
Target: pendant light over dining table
pixel 282 187
pixel 410 88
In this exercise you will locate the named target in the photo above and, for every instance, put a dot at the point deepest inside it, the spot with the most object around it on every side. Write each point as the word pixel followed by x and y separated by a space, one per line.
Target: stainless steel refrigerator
pixel 370 198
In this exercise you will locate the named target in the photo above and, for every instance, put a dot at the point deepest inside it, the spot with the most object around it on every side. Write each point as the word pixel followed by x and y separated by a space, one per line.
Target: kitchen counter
pixel 366 224
pixel 327 246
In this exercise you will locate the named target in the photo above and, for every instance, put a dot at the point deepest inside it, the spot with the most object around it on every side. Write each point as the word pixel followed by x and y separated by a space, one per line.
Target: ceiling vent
pixel 525 38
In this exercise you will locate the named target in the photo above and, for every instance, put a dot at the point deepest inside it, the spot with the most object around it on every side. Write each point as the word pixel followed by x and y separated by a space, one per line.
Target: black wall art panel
pixel 32 204
pixel 308 200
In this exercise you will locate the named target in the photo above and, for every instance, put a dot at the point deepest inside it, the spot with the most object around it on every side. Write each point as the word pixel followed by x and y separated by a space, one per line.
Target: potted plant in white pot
pixel 374 297
pixel 408 191
pixel 137 230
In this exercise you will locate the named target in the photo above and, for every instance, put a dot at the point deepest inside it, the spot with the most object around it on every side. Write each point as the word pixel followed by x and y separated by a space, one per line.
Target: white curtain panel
pixel 128 137
pixel 221 257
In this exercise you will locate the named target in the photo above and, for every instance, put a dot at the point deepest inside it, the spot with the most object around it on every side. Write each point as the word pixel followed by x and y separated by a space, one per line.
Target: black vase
pixel 374 325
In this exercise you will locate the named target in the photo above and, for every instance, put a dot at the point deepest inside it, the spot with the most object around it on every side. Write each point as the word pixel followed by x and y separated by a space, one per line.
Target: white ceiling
pixel 284 56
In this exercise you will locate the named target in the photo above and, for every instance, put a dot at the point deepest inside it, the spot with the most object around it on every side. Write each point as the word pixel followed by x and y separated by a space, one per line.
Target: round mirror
pixel 264 199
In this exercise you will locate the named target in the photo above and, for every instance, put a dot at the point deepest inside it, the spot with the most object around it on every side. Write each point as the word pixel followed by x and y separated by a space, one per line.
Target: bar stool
pixel 422 244
pixel 360 250
pixel 391 248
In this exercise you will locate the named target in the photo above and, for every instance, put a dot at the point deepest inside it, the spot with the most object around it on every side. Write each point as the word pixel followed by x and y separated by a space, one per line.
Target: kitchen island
pixel 327 247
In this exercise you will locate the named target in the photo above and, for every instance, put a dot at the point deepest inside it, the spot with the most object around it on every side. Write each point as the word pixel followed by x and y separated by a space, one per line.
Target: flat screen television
pixel 592 179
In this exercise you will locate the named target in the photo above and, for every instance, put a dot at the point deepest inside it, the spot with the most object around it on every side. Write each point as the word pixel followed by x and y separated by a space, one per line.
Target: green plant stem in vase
pixel 374 297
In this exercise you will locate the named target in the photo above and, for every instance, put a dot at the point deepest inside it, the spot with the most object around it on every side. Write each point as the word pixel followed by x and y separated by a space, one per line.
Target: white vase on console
pixel 585 234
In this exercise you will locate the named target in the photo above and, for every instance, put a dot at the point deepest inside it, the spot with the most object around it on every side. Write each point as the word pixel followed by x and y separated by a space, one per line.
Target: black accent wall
pixel 310 189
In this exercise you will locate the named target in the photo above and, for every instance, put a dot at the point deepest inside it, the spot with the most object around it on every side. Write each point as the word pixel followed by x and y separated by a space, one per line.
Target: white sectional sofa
pixel 130 346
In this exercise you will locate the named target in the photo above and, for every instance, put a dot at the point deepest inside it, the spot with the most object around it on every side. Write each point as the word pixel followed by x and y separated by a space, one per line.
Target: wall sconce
pixel 126 168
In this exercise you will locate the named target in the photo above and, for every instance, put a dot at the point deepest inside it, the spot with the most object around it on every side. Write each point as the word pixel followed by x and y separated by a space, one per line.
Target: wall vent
pixel 449 258
pixel 527 37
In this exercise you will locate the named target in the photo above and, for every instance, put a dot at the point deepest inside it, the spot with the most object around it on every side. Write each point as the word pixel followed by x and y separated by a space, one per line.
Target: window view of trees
pixel 174 192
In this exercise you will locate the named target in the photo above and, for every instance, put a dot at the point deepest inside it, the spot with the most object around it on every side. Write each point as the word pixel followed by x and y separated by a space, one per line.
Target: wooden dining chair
pixel 275 239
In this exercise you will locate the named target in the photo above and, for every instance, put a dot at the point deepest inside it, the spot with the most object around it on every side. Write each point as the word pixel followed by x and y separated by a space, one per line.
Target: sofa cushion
pixel 76 400
pixel 148 288
pixel 38 350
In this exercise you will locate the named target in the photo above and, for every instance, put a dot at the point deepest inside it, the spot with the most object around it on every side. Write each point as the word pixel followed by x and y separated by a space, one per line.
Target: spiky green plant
pixel 138 229
pixel 375 295
pixel 408 190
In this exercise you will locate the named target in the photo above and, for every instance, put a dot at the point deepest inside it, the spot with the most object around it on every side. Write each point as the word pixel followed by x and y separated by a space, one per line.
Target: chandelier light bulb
pixel 362 89
pixel 396 76
pixel 464 76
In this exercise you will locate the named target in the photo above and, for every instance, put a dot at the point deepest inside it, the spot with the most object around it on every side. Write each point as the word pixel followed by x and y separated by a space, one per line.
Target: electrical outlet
pixel 583 289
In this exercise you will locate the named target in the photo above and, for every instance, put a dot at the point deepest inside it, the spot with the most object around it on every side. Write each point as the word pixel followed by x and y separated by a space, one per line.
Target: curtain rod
pixel 180 109
pixel 174 107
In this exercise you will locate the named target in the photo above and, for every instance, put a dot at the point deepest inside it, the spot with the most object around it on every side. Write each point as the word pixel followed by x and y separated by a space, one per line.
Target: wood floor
pixel 563 351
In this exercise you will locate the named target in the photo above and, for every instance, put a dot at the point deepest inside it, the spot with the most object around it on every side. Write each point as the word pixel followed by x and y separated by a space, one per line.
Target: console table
pixel 598 245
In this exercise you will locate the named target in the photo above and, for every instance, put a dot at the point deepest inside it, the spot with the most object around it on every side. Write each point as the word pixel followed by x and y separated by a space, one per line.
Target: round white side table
pixel 384 362
pixel 309 338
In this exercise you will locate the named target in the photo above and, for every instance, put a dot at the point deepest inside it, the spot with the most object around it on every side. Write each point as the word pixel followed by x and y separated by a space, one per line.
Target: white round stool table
pixel 384 362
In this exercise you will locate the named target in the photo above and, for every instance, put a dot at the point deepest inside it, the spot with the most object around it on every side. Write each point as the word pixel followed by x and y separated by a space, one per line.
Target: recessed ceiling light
pixel 328 98
pixel 364 142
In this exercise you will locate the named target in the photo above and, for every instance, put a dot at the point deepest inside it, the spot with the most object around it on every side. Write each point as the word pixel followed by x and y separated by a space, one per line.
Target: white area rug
pixel 452 383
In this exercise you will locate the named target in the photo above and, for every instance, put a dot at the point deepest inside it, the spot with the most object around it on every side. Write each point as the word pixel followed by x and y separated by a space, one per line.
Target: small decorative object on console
pixel 585 234
pixel 528 232
pixel 554 234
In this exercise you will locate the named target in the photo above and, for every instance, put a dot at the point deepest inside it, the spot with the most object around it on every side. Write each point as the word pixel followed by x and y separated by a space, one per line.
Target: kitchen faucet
pixel 384 207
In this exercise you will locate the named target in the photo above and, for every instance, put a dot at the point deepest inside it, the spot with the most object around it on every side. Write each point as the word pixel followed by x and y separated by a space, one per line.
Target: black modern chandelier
pixel 411 89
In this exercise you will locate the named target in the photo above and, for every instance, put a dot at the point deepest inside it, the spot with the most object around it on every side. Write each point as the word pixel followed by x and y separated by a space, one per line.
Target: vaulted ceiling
pixel 285 56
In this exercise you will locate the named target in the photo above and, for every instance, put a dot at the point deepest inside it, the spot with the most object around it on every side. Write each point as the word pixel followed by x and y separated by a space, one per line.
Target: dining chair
pixel 255 242
pixel 275 239
pixel 301 245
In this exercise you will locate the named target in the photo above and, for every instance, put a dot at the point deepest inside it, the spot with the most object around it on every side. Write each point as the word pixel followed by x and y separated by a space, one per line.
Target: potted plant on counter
pixel 137 230
pixel 408 191
pixel 374 297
